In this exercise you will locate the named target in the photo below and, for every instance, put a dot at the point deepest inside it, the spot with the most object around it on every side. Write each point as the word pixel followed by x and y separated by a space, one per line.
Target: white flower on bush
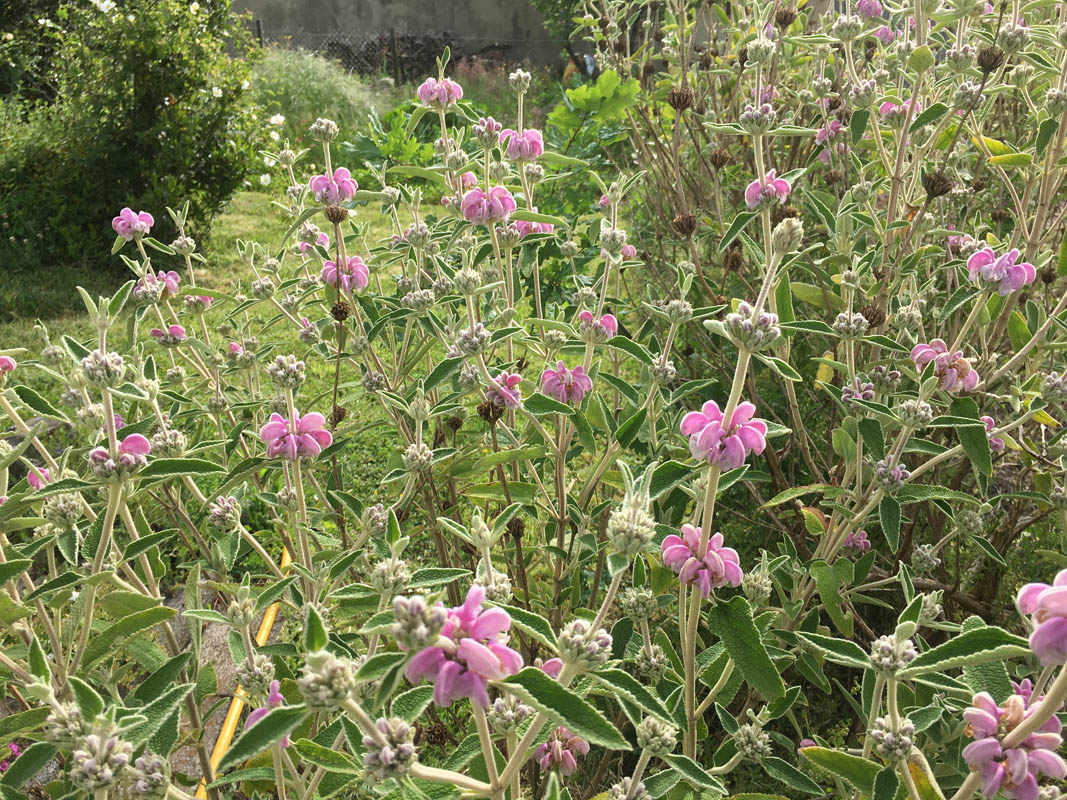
pixel 194 8
pixel 275 136
pixel 216 91
pixel 277 119
pixel 264 179
pixel 104 6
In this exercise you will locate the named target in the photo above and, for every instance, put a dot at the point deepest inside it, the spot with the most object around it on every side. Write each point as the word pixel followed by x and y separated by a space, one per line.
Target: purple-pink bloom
pixel 303 436
pixel 1003 271
pixel 725 444
pixel 470 651
pixel 628 251
pixel 132 225
pixel 38 477
pixel 954 372
pixel 1011 771
pixel 334 189
pixel 506 394
pixel 996 444
pixel 173 335
pixel 566 385
pixel 120 423
pixel 439 93
pixel 858 541
pixel 467 180
pixel 485 208
pixel 322 240
pixel 607 326
pixel 525 146
pixel 7 364
pixel 274 700
pixel 769 190
pixel 552 667
pixel 719 566
pixel 885 35
pixel 869 9
pixel 1047 608
pixel 560 751
pixel 352 276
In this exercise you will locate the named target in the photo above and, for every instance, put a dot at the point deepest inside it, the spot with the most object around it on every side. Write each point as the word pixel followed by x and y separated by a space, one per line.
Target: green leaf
pixel 540 405
pixel 242 775
pixel 857 125
pixel 1012 160
pixel 830 580
pixel 178 467
pixel 795 492
pixel 635 349
pixel 441 372
pixel 409 705
pixel 991 676
pixel 932 114
pixel 629 429
pixel 109 639
pixel 692 772
pixel 857 772
pixel 968 649
pixel 666 476
pixel 1044 135
pixel 533 216
pixel 886 783
pixel 315 634
pixel 889 517
pixel 9 570
pixel 158 712
pixel 624 684
pixel 376 667
pixel 839 651
pixel 873 438
pixel 89 702
pixel 332 761
pixel 732 623
pixel 974 440
pixel 545 694
pixel 921 59
pixel 23 721
pixel 278 722
pixel 792 777
pixel 30 762
pixel 64 486
pixel 738 225
pixel 533 625
pixel 30 398
pixel 433 577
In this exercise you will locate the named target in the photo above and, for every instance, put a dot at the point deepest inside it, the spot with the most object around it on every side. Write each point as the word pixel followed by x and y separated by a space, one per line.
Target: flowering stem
pixel 876 705
pixel 486 739
pixel 114 496
pixel 639 770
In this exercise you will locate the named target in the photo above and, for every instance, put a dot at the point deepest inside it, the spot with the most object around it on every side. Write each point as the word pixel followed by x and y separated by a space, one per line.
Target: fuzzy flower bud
pixel 506 714
pixel 890 655
pixel 749 332
pixel 638 604
pixel 656 737
pixel 393 758
pixel 390 575
pixel 751 742
pixel 327 680
pixel 895 745
pixel 417 623
pixel 584 648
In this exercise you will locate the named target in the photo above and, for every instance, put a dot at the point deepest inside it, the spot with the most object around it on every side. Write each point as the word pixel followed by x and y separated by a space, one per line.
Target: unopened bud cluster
pixel 638 604
pixel 850 326
pixel 582 647
pixel 97 760
pixel 327 680
pixel 630 527
pixel 393 757
pixel 751 742
pixel 390 575
pixel 750 331
pixel 287 372
pixel 255 677
pixel 890 475
pixel 417 624
pixel 890 655
pixel 656 736
pixel 506 714
pixel 895 745
pixel 106 369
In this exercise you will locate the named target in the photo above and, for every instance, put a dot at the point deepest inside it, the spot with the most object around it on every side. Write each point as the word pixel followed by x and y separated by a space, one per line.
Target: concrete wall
pixel 472 24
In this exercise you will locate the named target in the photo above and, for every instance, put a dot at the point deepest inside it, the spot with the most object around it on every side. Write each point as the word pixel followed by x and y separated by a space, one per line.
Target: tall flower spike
pixel 724 443
pixel 718 566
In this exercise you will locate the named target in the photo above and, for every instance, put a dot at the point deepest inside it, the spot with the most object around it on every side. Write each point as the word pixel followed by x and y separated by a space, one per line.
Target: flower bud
pixel 656 737
pixel 394 757
pixel 323 130
pixel 895 745
pixel 327 680
pixel 389 576
pixel 890 655
pixel 582 647
pixel 751 742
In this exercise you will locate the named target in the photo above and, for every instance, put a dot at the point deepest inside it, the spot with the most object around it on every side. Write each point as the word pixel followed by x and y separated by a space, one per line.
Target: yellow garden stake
pixel 229 725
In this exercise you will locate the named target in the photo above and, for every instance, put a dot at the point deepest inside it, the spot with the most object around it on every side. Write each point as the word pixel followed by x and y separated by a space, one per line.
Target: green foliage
pixel 142 108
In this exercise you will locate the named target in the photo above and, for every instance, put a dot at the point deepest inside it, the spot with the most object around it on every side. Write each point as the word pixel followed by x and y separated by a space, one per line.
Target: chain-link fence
pixel 401 54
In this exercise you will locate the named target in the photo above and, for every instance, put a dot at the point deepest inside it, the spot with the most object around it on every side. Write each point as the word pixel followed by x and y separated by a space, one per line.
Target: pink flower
pixel 525 146
pixel 598 330
pixel 1009 276
pixel 333 190
pixel 603 202
pixel 173 335
pixel 769 190
pixel 352 276
pixel 552 668
pixel 7 364
pixel 132 452
pixel 724 444
pixel 566 385
pixel 869 9
pixel 858 541
pixel 952 369
pixel 1012 771
pixel 471 651
pixel 894 114
pixel 524 227
pixel 467 180
pixel 1047 607
pixel 120 423
pixel 560 751
pixel 628 251
pixel 508 395
pixel 38 477
pixel 996 444
pixel 481 208
pixel 274 700
pixel 439 93
pixel 829 131
pixel 236 349
pixel 885 35
pixel 323 240
pixel 130 225
pixel 171 280
pixel 719 566
pixel 303 436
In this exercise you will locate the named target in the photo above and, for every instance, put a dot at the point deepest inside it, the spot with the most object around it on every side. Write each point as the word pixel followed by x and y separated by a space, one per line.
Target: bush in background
pixel 150 105
pixel 302 86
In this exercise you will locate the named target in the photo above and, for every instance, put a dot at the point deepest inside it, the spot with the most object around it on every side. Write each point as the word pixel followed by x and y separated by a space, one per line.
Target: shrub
pixel 150 105
pixel 638 585
pixel 303 86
